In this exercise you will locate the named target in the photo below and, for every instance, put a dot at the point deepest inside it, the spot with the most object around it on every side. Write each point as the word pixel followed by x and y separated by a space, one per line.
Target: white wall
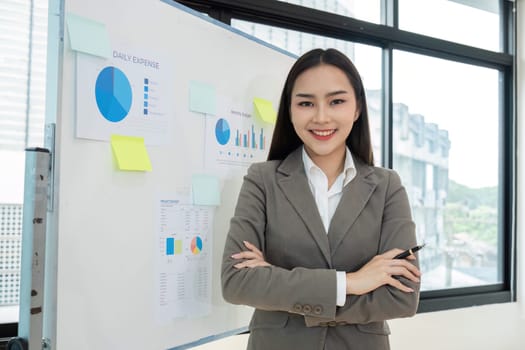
pixel 498 326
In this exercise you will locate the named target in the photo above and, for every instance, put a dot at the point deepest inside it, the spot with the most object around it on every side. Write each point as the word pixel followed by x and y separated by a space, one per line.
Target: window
pixel 474 23
pixel 451 178
pixel 428 96
pixel 23 45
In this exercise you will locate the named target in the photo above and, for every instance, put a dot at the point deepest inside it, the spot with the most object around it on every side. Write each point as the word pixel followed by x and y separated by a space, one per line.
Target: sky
pixel 459 98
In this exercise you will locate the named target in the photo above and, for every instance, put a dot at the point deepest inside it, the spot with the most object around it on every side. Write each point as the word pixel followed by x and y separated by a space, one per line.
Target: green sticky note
pixel 205 189
pixel 264 110
pixel 202 98
pixel 88 36
pixel 130 153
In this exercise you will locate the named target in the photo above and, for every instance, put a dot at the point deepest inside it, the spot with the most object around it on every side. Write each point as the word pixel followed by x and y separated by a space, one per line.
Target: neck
pixel 331 165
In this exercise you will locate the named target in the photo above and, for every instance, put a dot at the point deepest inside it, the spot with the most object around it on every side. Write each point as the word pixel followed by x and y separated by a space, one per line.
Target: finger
pixel 251 263
pixel 412 268
pixel 397 284
pixel 252 248
pixel 257 263
pixel 246 255
pixel 242 264
pixel 390 254
pixel 407 266
pixel 401 271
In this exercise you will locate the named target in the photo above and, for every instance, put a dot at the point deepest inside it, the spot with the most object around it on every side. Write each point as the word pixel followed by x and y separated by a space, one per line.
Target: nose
pixel 321 115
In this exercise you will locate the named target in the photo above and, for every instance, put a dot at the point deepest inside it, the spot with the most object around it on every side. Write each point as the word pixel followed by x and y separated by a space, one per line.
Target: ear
pixel 357 114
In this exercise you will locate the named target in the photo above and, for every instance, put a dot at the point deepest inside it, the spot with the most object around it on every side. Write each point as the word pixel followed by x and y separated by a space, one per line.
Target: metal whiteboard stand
pixel 30 324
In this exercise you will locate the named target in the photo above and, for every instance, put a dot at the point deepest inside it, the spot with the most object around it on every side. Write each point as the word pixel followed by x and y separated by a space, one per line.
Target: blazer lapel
pixel 355 196
pixel 293 182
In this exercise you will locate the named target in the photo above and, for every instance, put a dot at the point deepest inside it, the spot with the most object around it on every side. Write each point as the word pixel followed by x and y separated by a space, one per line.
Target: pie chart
pixel 222 131
pixel 113 94
pixel 196 245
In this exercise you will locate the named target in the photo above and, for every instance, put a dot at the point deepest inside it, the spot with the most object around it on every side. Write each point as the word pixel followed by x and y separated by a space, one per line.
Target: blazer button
pixel 318 309
pixel 298 308
pixel 307 309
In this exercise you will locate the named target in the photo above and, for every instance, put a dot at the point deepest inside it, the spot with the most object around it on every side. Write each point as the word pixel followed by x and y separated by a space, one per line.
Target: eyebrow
pixel 330 94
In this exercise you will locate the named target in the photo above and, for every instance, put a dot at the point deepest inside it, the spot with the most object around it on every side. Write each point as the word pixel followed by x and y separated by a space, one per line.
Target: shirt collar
pixel 349 167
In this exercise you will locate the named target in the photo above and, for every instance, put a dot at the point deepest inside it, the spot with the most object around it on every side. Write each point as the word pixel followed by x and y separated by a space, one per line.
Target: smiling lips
pixel 323 135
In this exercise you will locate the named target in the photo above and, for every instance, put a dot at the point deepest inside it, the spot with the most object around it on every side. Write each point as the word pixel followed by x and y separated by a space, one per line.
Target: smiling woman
pixel 317 227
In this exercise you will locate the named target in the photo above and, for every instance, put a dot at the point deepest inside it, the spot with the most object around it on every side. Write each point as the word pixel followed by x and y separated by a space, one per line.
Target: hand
pixel 380 271
pixel 253 257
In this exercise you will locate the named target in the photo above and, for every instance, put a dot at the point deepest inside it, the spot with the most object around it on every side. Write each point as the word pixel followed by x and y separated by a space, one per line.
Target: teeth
pixel 323 133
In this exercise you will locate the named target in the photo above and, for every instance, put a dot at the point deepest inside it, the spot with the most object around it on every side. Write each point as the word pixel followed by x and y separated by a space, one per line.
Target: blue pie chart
pixel 113 94
pixel 222 131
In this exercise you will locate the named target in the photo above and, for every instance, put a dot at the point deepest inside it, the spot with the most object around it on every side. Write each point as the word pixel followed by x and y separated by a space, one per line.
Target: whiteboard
pixel 105 219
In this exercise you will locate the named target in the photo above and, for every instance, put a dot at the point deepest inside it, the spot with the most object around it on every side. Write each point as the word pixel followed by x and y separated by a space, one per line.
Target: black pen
pixel 408 252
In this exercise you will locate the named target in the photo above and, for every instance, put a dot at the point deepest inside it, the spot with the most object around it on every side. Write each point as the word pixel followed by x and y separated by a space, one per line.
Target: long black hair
pixel 285 139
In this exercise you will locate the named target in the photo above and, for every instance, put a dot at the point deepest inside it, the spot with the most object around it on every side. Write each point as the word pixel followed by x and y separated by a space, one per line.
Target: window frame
pixel 389 37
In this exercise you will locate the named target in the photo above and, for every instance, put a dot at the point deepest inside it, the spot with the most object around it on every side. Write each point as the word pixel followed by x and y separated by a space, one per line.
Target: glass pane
pixel 366 58
pixel 365 10
pixel 23 46
pixel 11 197
pixel 446 146
pixel 474 23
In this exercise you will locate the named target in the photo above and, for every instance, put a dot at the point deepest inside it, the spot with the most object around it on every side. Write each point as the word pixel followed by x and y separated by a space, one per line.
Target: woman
pixel 312 242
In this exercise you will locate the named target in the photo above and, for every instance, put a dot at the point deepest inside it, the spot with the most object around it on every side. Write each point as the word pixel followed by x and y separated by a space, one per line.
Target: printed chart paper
pixel 184 244
pixel 131 93
pixel 234 137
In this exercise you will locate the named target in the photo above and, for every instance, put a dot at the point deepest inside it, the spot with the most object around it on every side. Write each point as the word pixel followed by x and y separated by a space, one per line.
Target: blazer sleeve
pixel 299 290
pixel 386 302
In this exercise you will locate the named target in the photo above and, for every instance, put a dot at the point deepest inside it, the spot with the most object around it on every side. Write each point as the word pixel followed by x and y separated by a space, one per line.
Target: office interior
pixel 445 82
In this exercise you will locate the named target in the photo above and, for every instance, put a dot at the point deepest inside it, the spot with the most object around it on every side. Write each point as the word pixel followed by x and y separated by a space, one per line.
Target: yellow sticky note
pixel 264 110
pixel 130 153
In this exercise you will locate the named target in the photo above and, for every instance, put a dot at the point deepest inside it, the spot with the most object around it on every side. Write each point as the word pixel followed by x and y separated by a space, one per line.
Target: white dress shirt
pixel 327 200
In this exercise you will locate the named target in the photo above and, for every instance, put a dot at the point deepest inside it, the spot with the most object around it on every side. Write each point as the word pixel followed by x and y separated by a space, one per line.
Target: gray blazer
pixel 295 298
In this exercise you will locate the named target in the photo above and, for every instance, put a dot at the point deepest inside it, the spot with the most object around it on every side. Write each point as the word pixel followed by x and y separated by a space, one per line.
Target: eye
pixel 305 104
pixel 337 101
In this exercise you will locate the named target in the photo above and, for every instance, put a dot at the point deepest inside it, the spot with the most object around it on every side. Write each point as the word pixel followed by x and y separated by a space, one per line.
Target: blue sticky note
pixel 205 189
pixel 88 36
pixel 202 98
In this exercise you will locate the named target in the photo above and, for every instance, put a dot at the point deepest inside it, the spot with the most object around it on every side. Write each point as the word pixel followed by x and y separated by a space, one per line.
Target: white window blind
pixel 23 41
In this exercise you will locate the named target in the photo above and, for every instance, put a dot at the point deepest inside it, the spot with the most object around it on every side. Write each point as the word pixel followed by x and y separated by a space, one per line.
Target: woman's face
pixel 323 110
